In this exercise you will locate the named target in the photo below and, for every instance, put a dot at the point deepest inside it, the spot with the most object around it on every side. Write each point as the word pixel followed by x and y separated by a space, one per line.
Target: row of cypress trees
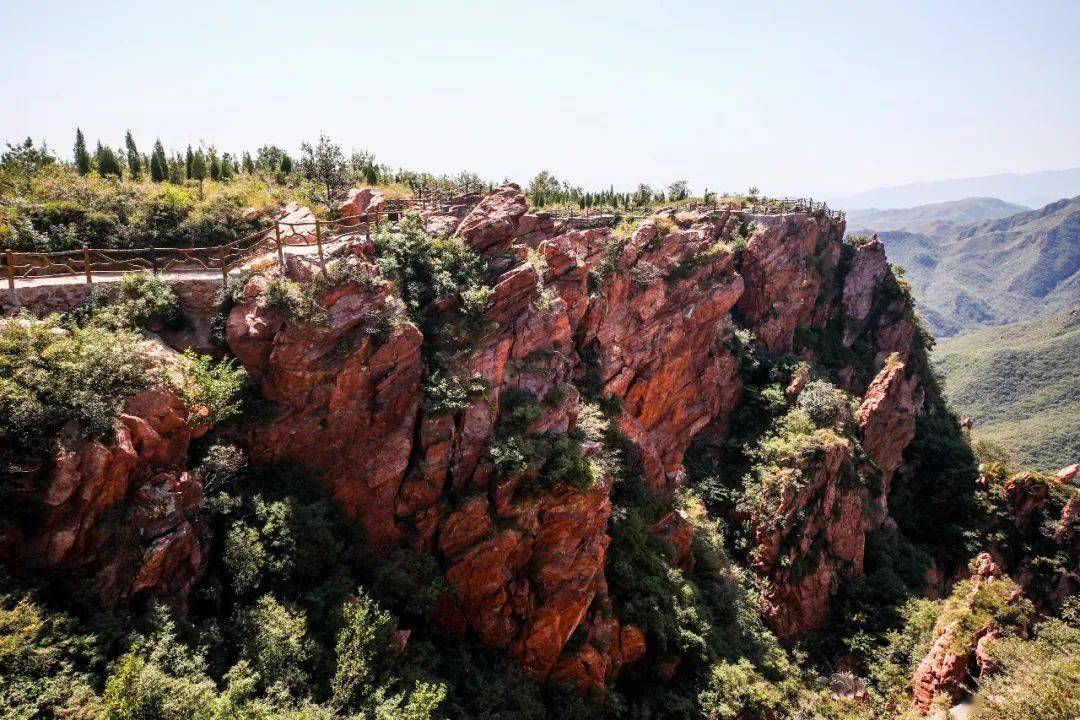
pixel 198 164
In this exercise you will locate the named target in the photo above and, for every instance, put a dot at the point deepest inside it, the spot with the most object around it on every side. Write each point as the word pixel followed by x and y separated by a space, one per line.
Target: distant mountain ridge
pixel 994 271
pixel 934 219
pixel 1031 189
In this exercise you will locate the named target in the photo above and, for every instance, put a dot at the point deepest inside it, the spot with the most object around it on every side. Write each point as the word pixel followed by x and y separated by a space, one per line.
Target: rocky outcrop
pixel 886 416
pixel 658 328
pixel 810 533
pixel 969 622
pixel 788 261
pixel 643 319
pixel 868 269
pixel 347 397
pixel 123 511
pixel 493 223
pixel 360 201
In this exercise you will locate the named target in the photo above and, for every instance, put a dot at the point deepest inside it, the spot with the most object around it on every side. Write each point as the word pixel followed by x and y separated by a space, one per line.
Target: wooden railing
pixel 223 258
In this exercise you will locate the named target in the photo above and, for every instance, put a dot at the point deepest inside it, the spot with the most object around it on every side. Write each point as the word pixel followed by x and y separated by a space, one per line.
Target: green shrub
pixel 824 403
pixel 1036 679
pixel 137 301
pixel 450 394
pixel 363 648
pixel 50 376
pixel 211 388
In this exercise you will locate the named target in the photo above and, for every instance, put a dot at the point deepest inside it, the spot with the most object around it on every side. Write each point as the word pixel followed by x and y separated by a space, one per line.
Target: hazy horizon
pixel 794 100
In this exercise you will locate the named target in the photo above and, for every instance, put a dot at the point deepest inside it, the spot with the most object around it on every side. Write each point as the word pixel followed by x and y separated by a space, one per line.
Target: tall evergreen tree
pixel 159 163
pixel 249 164
pixel 107 161
pixel 198 169
pixel 134 162
pixel 157 173
pixel 286 164
pixel 189 161
pixel 82 157
pixel 176 169
pixel 215 165
pixel 226 171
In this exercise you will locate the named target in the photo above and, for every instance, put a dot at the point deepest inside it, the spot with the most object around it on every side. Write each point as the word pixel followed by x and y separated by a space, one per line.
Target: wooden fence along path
pixel 224 258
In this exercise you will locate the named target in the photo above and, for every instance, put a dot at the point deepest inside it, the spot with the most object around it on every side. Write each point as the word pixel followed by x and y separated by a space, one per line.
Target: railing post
pixel 277 237
pixel 224 267
pixel 153 259
pixel 11 271
pixel 318 238
pixel 86 264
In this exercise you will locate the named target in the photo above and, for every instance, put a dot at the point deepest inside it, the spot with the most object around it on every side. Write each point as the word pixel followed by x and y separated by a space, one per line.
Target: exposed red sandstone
pixel 525 570
pixel 155 543
pixel 492 224
pixel 657 331
pixel 813 537
pixel 887 413
pixel 359 201
pixel 957 653
pixel 787 262
pixel 868 269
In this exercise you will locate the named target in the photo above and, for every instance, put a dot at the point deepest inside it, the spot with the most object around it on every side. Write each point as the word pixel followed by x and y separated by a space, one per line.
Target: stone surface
pixel 813 537
pixel 886 416
pixel 154 544
pixel 788 261
pixel 360 201
pixel 492 224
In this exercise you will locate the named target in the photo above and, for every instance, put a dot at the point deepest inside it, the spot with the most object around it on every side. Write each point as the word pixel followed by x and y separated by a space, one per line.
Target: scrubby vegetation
pixel 50 376
pixel 1021 384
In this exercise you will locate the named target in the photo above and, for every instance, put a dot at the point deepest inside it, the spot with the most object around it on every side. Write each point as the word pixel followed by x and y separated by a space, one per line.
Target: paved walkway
pixel 105 276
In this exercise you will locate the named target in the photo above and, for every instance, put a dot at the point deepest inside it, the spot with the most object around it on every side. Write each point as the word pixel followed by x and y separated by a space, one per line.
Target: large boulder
pixel 360 201
pixel 492 224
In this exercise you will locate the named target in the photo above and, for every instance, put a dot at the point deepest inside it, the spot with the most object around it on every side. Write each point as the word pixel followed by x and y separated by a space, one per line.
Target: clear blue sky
pixel 811 98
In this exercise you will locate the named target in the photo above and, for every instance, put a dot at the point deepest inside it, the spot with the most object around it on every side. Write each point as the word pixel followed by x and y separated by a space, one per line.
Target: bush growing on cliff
pixel 211 389
pixel 50 376
pixel 139 301
pixel 425 268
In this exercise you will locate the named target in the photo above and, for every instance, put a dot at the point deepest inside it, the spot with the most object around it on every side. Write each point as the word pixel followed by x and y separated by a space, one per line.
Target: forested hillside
pixel 1021 384
pixel 993 272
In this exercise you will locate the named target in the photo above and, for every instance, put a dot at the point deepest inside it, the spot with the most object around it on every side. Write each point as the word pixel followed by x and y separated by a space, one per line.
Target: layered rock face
pixel 962 633
pixel 642 318
pixel 125 511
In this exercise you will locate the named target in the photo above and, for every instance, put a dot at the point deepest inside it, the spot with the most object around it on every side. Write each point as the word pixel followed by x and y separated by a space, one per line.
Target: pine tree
pixel 286 164
pixel 157 173
pixel 176 170
pixel 189 161
pixel 198 169
pixel 107 161
pixel 159 164
pixel 82 157
pixel 215 166
pixel 226 171
pixel 134 162
pixel 249 164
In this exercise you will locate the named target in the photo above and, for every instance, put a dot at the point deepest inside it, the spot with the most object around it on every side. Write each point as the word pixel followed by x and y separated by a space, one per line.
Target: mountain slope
pixel 935 219
pixel 1031 189
pixel 996 271
pixel 1021 384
